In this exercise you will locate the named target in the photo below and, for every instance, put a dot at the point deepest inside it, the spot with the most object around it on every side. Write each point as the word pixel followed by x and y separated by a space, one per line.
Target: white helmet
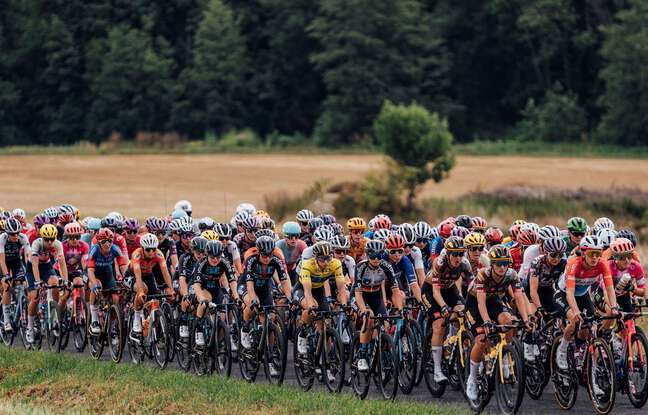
pixel 183 205
pixel 116 215
pixel 606 236
pixel 246 207
pixel 149 241
pixel 19 213
pixel 603 223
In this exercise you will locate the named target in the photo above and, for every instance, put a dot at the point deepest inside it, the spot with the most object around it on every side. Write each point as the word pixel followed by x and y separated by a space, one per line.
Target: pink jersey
pixel 132 246
pixel 73 257
pixel 634 269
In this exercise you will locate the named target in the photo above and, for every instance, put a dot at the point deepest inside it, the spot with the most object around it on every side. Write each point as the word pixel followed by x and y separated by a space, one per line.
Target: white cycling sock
pixel 5 312
pixel 94 313
pixel 474 369
pixel 30 322
pixel 436 356
pixel 563 345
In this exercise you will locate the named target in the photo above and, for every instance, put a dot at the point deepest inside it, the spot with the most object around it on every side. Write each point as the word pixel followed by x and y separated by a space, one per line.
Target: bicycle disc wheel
pixel 359 379
pixel 160 339
pixel 78 325
pixel 436 389
pixel 304 365
pixel 332 361
pixel 637 377
pixel 387 368
pixel 601 376
pixel 274 356
pixel 221 349
pixel 115 333
pixel 509 383
pixel 565 386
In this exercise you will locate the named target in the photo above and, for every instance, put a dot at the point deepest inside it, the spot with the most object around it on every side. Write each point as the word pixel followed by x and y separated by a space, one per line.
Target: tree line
pixel 556 70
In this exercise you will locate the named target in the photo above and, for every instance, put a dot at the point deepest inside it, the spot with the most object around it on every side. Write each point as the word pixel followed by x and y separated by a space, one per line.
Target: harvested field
pixel 149 184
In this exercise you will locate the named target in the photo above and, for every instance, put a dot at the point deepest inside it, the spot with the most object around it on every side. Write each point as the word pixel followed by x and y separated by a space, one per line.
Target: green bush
pixel 240 139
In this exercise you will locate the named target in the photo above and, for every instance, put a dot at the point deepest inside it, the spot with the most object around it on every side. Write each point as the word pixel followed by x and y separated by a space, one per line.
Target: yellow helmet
pixel 262 213
pixel 209 235
pixel 356 224
pixel 48 231
pixel 519 222
pixel 474 239
pixel 2 225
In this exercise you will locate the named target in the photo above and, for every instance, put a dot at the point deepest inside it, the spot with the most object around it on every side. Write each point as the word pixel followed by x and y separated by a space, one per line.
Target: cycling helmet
pixel 261 214
pixel 12 225
pixel 423 231
pixel 177 214
pixel 183 205
pixel 356 223
pixel 205 223
pixel 531 227
pixel 394 241
pixel 621 245
pixel 304 215
pixel 554 244
pixel 514 231
pixel 158 225
pixel 67 208
pixel 264 232
pixel 606 236
pixel 265 245
pixel 463 220
pixel 460 231
pixel 374 245
pixel 250 223
pixel 382 222
pixel 131 224
pixel 185 228
pixel 603 223
pixel 371 223
pixel 548 231
pixel 382 234
pixel 19 214
pixel 445 229
pixel 454 244
pixel 52 213
pixel 267 223
pixel 629 235
pixel 94 224
pixel 322 249
pixel 479 224
pixel 214 248
pixel 198 243
pixel 500 253
pixel 527 237
pixel 590 243
pixel 474 239
pixel 48 231
pixel 66 218
pixel 577 224
pixel 494 235
pixel 223 230
pixel 109 222
pixel 105 234
pixel 209 235
pixel 240 217
pixel 340 242
pixel 73 228
pixel 337 228
pixel 435 233
pixel 328 219
pixel 149 241
pixel 519 222
pixel 40 220
pixel 322 234
pixel 314 223
pixel 408 233
pixel 246 207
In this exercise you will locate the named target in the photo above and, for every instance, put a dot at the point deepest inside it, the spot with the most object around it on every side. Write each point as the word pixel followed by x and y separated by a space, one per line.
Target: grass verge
pixel 65 383
pixel 544 149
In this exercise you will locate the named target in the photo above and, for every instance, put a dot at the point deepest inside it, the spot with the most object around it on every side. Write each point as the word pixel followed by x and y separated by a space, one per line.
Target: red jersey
pixel 147 265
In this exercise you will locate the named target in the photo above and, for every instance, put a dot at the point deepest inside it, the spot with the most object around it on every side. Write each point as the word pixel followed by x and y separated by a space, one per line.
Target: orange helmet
pixel 394 241
pixel 356 224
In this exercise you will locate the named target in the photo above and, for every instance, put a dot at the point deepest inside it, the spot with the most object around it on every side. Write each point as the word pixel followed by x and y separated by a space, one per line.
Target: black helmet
pixel 314 224
pixel 454 244
pixel 214 248
pixel 265 245
pixel 464 220
pixel 375 245
pixel 322 249
pixel 628 234
pixel 199 243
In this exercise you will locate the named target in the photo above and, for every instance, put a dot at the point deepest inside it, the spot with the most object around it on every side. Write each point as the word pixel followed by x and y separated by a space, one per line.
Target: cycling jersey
pixel 311 272
pixel 516 255
pixel 181 249
pixel 370 278
pixel 403 271
pixel 436 246
pixel 46 254
pixel 32 235
pixel 307 238
pixel 12 250
pixel 485 282
pixel 635 270
pixel 261 275
pixel 131 246
pixel 356 251
pixel 147 265
pixel 580 277
pixel 168 248
pixel 530 254
pixel 416 257
pixel 231 252
pixel 445 276
pixel 426 256
pixel 118 240
pixel 74 256
pixel 96 259
pixel 349 267
pixel 475 265
pixel 546 274
pixel 208 276
pixel 291 255
pixel 186 267
pixel 87 238
pixel 242 243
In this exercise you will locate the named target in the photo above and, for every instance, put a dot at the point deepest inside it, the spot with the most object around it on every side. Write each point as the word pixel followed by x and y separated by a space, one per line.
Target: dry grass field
pixel 145 185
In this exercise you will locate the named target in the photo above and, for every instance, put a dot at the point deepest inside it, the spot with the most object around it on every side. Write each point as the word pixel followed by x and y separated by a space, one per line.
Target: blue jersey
pixel 97 260
pixel 436 246
pixel 403 271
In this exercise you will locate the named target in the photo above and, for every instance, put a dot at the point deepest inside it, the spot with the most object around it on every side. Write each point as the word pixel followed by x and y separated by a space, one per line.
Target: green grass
pixel 60 383
pixel 540 148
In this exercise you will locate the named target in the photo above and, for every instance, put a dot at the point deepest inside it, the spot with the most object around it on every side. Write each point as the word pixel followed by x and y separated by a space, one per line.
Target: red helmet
pixel 104 234
pixel 479 223
pixel 382 223
pixel 494 235
pixel 66 217
pixel 450 219
pixel 527 237
pixel 621 245
pixel 514 232
pixel 445 229
pixel 73 228
pixel 394 241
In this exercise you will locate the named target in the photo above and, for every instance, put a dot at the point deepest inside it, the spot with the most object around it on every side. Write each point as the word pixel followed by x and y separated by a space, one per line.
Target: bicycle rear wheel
pixel 7 336
pixel 427 366
pixel 359 379
pixel 304 370
pixel 637 377
pixel 65 327
pixel 509 384
pixel 274 356
pixel 565 386
pixel 135 346
pixel 167 310
pixel 53 327
pixel 201 353
pixel 222 352
pixel 332 361
pixel 184 346
pixel 601 371
pixel 386 375
pixel 78 324
pixel 407 353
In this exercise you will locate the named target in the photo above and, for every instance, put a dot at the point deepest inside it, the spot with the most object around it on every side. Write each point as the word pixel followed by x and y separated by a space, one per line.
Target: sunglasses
pixel 149 249
pixel 593 254
pixel 49 239
pixel 223 239
pixel 555 255
pixel 374 255
pixel 217 256
pixel 396 251
pixel 325 258
pixel 74 237
pixel 456 254
pixel 291 237
pixel 422 240
pixel 501 263
pixel 131 232
pixel 12 233
pixel 578 234
pixel 160 233
pixel 106 242
pixel 252 230
pixel 623 255
pixel 340 251
pixel 186 235
pixel 410 246
pixel 357 232
pixel 303 223
pixel 476 248
pixel 265 255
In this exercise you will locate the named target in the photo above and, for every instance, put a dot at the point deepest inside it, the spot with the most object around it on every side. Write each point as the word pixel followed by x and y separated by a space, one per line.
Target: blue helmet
pixel 178 214
pixel 94 224
pixel 291 228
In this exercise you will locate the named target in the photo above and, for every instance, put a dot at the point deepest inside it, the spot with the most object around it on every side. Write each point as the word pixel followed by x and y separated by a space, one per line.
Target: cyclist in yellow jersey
pixel 313 290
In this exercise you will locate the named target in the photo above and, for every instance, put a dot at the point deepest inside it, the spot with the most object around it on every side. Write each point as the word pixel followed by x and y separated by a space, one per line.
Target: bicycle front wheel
pixel 115 333
pixel 637 375
pixel 53 327
pixel 386 376
pixel 78 324
pixel 274 355
pixel 332 361
pixel 509 382
pixel 221 349
pixel 160 338
pixel 601 376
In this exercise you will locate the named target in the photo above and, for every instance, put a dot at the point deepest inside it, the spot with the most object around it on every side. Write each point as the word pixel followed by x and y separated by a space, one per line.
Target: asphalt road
pixel 546 404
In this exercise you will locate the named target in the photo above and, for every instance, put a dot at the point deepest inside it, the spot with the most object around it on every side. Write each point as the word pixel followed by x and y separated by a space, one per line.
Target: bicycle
pixel 631 369
pixel 216 352
pixel 588 360
pixel 382 358
pixel 268 346
pixel 17 313
pixel 110 322
pixel 538 371
pixel 454 365
pixel 49 315
pixel 154 340
pixel 75 320
pixel 407 351
pixel 184 345
pixel 325 356
pixel 506 380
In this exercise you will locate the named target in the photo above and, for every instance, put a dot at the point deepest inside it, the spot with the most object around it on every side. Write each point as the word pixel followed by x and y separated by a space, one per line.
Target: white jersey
pixel 350 264
pixel 417 257
pixel 530 254
pixel 233 250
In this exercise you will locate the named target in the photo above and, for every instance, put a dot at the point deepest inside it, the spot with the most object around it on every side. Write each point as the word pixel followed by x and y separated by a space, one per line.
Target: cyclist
pixel 313 291
pixel 524 239
pixel 147 266
pixel 114 223
pixel 425 234
pixel 535 250
pixel 445 231
pixel 131 235
pixel 159 227
pixel 573 296
pixel 340 246
pixel 39 221
pixel 485 301
pixel 92 227
pixel 185 235
pixel 184 206
pixel 14 253
pixel 411 251
pixel 303 216
pixel 479 225
pixel 247 239
pixel 211 276
pixel 232 253
pixel 371 276
pixel 357 227
pixel 46 250
pixel 576 229
pixel 475 243
pixel 76 257
pixel 442 293
pixel 186 267
pixel 292 248
pixel 403 271
pixel 102 271
pixel 255 284
pixel 494 236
